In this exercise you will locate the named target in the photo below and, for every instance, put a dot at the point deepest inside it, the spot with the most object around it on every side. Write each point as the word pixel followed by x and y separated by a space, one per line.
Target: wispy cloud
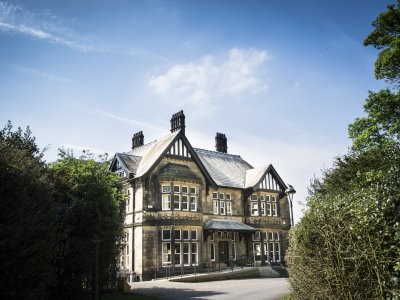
pixel 207 81
pixel 45 26
pixel 42 74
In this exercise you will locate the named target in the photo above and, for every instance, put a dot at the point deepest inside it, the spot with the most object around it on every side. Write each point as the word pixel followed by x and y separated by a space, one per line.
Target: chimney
pixel 137 140
pixel 178 122
pixel 221 143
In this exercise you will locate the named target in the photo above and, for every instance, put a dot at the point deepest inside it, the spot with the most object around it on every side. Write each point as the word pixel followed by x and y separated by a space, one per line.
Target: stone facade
pixel 188 209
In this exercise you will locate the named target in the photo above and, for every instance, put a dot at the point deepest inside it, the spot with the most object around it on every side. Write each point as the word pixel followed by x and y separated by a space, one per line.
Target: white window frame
pixel 183 188
pixel 195 234
pixel 193 203
pixel 177 189
pixel 274 210
pixel 187 202
pixel 216 207
pixel 174 197
pixel 166 253
pixel 228 196
pixel 212 251
pixel 166 201
pixel 254 209
pixel 195 255
pixel 194 190
pixel 166 189
pixel 215 195
pixel 162 234
pixel 228 207
pixel 222 210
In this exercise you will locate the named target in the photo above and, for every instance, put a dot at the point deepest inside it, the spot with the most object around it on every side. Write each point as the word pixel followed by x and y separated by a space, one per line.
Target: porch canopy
pixel 227 225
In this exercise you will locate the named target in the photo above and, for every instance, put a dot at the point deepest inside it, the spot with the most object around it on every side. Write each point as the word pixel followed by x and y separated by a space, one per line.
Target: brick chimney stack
pixel 137 140
pixel 221 144
pixel 178 122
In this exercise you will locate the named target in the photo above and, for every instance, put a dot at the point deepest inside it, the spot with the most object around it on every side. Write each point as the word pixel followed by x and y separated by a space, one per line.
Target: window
pixel 267 198
pixel 273 198
pixel 233 251
pixel 261 197
pixel 229 208
pixel 186 253
pixel 177 235
pixel 256 236
pixel 222 207
pixel 216 207
pixel 166 234
pixel 215 195
pixel 233 236
pixel 128 200
pixel 166 189
pixel 274 210
pixel 177 253
pixel 185 202
pixel 193 235
pixel 257 251
pixel 193 203
pixel 185 234
pixel 166 253
pixel 254 197
pixel 254 209
pixel 263 208
pixel 221 196
pixel 268 212
pixel 212 251
pixel 228 196
pixel 194 259
pixel 166 202
pixel 212 236
pixel 179 196
pixel 177 202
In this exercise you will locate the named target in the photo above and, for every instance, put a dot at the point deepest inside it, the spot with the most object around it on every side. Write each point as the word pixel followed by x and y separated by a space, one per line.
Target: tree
pixel 90 207
pixel 27 217
pixel 347 245
pixel 386 37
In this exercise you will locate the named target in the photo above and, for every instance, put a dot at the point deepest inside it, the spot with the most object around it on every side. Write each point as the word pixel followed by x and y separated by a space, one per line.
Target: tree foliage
pixel 27 217
pixel 49 217
pixel 90 209
pixel 386 37
pixel 347 245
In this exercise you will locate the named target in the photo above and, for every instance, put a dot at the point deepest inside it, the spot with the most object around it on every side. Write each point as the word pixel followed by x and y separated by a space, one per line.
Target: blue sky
pixel 282 79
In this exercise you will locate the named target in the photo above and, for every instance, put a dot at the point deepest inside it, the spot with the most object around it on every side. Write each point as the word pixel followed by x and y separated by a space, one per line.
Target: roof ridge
pixel 217 152
pixel 132 151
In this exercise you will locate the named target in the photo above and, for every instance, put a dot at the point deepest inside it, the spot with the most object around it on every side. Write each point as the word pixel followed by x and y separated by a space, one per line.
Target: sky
pixel 281 79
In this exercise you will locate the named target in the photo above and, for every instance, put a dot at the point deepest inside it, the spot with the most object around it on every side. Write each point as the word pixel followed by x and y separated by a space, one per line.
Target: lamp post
pixel 290 191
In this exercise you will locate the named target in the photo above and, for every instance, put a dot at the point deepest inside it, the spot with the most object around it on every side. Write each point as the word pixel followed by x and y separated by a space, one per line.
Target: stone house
pixel 189 208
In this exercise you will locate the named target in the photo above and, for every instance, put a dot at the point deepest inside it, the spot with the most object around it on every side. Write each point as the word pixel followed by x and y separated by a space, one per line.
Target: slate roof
pixel 225 169
pixel 227 225
pixel 253 176
pixel 151 152
pixel 129 162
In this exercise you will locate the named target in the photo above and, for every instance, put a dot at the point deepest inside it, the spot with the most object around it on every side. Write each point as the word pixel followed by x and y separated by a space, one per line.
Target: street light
pixel 290 191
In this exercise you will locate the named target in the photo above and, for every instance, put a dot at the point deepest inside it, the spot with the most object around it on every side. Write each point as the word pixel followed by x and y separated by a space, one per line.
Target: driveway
pixel 254 289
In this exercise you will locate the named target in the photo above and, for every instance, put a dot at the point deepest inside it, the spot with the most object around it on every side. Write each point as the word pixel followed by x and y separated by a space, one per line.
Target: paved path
pixel 254 289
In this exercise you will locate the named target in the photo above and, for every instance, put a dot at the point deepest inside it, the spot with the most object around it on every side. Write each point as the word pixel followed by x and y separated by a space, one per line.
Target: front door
pixel 223 249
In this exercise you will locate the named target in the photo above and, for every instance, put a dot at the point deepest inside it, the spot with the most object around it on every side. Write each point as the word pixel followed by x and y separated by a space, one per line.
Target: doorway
pixel 223 251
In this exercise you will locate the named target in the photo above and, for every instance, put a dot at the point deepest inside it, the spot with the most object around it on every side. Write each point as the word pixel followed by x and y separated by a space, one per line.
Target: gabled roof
pixel 129 163
pixel 225 169
pixel 254 177
pixel 173 171
pixel 227 225
pixel 152 152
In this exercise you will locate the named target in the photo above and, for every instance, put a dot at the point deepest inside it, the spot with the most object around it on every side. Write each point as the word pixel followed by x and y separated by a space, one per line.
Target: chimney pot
pixel 137 140
pixel 221 144
pixel 178 122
